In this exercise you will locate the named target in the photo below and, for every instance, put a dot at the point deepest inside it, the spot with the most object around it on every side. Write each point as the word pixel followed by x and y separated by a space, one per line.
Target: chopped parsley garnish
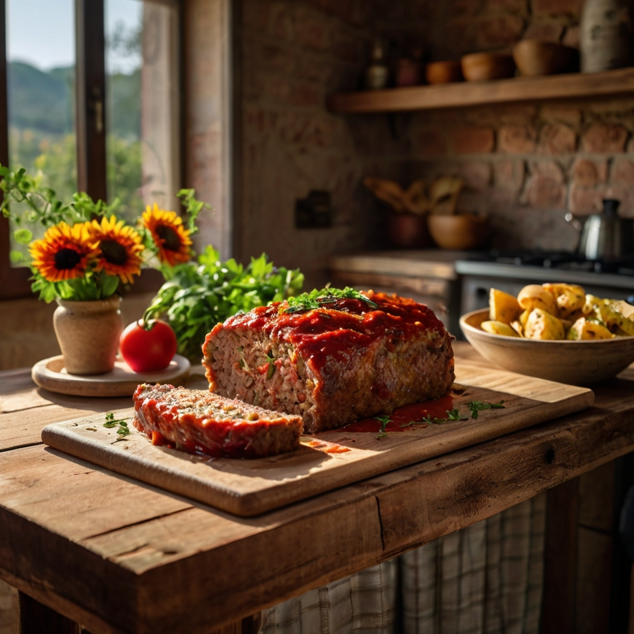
pixel 123 429
pixel 454 414
pixel 384 420
pixel 478 406
pixel 320 298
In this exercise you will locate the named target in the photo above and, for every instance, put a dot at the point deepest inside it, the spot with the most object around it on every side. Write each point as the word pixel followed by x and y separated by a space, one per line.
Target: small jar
pixel 408 72
pixel 377 73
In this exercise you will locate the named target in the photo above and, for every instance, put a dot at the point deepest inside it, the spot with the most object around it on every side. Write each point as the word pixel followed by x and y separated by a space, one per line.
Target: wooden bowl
pixel 534 58
pixel 581 363
pixel 443 72
pixel 487 66
pixel 459 232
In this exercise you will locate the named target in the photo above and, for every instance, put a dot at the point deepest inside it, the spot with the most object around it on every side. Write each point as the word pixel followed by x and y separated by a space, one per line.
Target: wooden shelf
pixel 612 83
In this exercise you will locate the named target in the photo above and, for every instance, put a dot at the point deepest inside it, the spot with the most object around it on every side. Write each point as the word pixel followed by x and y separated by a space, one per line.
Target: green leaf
pixel 23 236
pixel 109 285
pixel 478 406
pixel 17 257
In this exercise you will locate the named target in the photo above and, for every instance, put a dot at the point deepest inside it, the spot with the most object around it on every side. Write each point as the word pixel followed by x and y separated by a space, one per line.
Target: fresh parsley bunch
pixel 200 294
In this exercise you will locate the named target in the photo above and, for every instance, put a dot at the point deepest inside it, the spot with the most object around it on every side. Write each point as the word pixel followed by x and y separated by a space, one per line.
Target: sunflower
pixel 64 252
pixel 168 233
pixel 119 248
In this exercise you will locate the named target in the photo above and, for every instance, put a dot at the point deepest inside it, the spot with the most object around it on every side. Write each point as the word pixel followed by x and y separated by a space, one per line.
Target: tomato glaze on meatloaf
pixel 335 364
pixel 198 421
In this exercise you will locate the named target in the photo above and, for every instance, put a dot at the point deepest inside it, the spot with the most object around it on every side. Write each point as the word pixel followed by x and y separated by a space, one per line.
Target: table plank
pixel 24 428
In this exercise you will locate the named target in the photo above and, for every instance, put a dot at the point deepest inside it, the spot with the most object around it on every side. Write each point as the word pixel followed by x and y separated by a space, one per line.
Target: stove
pixel 509 271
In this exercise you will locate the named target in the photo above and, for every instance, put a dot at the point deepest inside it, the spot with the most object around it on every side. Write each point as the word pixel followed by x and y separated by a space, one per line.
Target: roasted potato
pixel 518 327
pixel 542 325
pixel 503 307
pixel 607 312
pixel 557 311
pixel 587 330
pixel 536 296
pixel 498 328
pixel 569 298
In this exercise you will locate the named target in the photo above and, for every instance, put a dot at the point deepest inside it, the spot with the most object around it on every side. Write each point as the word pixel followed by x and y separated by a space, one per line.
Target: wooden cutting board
pixel 328 460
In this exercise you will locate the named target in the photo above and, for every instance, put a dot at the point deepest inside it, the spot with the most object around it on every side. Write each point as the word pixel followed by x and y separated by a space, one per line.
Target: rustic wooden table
pixel 83 544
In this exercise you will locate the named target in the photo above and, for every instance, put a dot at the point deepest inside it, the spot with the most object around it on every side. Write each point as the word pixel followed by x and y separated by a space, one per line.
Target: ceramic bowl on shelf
pixel 460 232
pixel 407 231
pixel 536 57
pixel 582 363
pixel 487 66
pixel 444 72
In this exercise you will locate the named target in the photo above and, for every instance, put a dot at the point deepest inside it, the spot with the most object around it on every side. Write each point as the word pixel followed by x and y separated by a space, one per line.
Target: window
pixel 89 97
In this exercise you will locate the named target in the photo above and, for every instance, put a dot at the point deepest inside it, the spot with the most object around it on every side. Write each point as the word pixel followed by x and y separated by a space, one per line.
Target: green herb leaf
pixel 478 406
pixel 454 414
pixel 384 420
pixel 200 294
pixel 320 298
pixel 111 421
pixel 434 421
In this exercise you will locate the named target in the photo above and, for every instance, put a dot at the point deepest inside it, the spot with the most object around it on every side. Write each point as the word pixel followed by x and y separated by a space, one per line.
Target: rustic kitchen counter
pixel 120 556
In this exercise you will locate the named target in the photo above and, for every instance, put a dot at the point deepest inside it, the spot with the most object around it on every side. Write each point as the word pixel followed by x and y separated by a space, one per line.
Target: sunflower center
pixel 170 238
pixel 113 252
pixel 67 259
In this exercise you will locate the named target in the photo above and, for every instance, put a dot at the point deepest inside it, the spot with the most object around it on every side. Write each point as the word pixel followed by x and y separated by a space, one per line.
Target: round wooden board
pixel 121 381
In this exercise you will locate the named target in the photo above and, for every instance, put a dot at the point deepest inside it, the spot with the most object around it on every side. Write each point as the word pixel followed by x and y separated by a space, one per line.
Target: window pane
pixel 141 104
pixel 41 92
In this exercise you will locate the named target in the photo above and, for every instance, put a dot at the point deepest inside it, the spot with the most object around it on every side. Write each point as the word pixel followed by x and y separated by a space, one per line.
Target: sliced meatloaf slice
pixel 348 358
pixel 198 421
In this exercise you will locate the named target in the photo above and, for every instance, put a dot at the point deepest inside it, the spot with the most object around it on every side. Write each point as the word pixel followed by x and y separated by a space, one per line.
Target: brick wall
pixel 524 165
pixel 294 53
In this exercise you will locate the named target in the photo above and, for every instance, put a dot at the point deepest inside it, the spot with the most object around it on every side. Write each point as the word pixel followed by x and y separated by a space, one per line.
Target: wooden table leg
pixel 36 618
pixel 560 559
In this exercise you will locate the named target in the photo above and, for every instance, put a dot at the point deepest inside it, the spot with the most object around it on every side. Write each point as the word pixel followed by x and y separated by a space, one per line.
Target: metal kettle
pixel 605 236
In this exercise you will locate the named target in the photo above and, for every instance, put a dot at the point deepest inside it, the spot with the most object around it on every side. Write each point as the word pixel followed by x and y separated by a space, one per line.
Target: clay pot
pixel 88 334
pixel 535 58
pixel 443 72
pixel 606 35
pixel 408 231
pixel 460 232
pixel 487 66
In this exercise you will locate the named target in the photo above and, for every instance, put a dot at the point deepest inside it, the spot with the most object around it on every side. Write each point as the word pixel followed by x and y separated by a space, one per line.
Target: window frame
pixel 90 128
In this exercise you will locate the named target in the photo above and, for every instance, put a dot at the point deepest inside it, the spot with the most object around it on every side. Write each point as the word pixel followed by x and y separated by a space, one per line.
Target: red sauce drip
pixel 437 408
pixel 343 328
pixel 327 447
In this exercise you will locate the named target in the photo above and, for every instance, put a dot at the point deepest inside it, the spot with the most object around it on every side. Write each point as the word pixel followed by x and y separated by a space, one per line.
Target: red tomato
pixel 148 350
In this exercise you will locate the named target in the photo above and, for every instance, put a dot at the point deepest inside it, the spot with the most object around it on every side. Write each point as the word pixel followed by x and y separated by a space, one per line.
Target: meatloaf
pixel 333 359
pixel 198 421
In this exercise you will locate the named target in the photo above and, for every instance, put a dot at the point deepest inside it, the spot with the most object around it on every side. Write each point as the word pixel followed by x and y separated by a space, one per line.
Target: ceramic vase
pixel 88 334
pixel 606 35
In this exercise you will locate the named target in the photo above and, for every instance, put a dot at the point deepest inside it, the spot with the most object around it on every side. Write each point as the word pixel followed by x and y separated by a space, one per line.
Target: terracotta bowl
pixel 443 72
pixel 487 66
pixel 460 232
pixel 534 58
pixel 407 231
pixel 574 362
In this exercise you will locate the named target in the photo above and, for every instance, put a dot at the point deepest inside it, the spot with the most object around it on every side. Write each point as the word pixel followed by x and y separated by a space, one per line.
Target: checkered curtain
pixel 484 579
